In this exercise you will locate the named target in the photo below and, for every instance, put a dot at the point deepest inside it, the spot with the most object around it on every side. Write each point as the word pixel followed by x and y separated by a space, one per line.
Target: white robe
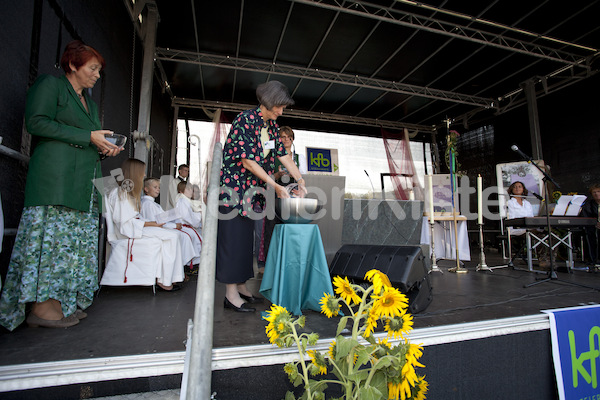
pixel 150 209
pixel 129 225
pixel 191 220
pixel 515 210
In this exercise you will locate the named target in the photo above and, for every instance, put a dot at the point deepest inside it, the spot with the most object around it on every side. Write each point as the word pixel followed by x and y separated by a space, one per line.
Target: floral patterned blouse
pixel 244 141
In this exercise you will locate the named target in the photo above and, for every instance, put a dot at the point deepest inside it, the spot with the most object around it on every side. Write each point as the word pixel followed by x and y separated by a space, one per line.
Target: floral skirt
pixel 55 256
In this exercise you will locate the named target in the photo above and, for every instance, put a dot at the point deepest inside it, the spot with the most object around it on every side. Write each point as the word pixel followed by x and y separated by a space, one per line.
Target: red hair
pixel 78 53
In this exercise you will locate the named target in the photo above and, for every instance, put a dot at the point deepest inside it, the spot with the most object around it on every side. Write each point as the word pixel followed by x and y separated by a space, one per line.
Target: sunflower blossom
pixel 413 353
pixel 390 303
pixel 345 290
pixel 420 390
pixel 393 390
pixel 405 391
pixel 370 323
pixel 330 305
pixel 332 350
pixel 378 279
pixel 399 326
pixel 291 370
pixel 409 374
pixel 318 361
pixel 277 327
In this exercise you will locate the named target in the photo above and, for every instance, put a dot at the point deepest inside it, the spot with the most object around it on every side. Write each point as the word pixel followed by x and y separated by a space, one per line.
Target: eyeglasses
pixel 285 137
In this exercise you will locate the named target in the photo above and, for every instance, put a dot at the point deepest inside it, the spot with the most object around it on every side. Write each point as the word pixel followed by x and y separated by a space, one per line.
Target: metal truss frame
pixel 434 25
pixel 302 114
pixel 235 63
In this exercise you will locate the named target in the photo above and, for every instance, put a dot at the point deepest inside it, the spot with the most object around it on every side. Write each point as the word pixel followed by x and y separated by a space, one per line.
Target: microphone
pixel 370 181
pixel 518 151
pixel 537 196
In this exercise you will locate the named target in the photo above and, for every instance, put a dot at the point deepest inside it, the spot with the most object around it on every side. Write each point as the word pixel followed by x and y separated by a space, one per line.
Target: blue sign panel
pixel 576 351
pixel 319 160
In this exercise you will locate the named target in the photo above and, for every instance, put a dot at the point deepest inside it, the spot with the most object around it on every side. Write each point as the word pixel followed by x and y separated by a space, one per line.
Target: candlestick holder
pixel 482 266
pixel 434 266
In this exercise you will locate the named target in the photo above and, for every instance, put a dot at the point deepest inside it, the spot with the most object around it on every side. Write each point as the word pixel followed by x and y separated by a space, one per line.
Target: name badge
pixel 269 145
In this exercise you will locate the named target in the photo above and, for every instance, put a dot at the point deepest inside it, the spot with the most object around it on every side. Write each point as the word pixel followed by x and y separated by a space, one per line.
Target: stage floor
pixel 133 321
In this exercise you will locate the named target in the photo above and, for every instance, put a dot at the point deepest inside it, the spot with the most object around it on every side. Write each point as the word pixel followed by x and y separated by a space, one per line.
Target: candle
pixel 411 195
pixel 430 197
pixel 479 200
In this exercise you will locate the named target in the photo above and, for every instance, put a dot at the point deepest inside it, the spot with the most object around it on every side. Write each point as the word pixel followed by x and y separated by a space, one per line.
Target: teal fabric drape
pixel 296 274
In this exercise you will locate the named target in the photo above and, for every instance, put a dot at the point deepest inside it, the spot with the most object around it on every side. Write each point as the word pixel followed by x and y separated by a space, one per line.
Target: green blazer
pixel 64 161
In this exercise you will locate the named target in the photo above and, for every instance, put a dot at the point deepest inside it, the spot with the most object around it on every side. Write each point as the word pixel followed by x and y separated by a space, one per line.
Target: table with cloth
pixel 296 272
pixel 444 238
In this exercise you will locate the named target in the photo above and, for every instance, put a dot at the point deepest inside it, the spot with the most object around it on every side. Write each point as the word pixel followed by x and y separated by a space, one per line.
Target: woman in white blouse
pixel 518 206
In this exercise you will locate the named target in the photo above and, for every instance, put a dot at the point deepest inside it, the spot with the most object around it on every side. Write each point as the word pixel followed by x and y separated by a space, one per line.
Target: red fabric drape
pixel 219 134
pixel 402 168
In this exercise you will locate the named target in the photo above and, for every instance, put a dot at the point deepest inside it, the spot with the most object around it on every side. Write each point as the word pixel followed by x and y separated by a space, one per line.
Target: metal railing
pixel 199 373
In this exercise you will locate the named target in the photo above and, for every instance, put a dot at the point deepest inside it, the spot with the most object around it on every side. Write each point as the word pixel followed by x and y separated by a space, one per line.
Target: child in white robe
pixel 124 203
pixel 150 209
pixel 190 216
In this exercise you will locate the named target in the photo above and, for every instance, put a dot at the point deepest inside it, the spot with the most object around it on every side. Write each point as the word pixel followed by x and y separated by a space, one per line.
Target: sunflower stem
pixel 302 362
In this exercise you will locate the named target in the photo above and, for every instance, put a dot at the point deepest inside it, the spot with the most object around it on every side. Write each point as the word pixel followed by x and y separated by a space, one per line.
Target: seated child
pixel 190 213
pixel 124 203
pixel 150 209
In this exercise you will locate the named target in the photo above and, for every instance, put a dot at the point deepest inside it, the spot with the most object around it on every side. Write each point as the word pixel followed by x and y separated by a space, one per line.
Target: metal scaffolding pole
pixel 143 130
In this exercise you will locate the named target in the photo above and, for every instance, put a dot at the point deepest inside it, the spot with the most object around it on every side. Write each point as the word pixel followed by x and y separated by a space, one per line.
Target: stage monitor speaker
pixel 404 265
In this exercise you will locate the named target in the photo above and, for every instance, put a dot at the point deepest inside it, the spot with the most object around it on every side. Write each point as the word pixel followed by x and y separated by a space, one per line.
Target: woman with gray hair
pixel 249 155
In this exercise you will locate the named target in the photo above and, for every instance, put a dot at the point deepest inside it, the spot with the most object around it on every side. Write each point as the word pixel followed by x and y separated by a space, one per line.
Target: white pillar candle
pixel 479 200
pixel 411 195
pixel 430 197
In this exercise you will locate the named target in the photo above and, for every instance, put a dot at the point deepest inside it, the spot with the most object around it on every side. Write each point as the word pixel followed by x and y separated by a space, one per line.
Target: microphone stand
pixel 551 276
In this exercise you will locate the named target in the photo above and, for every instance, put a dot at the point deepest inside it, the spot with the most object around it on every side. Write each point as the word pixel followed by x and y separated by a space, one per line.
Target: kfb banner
pixel 323 161
pixel 576 351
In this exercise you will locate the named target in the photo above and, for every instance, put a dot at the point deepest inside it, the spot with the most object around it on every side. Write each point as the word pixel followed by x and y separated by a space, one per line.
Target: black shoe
pixel 244 308
pixel 175 288
pixel 251 299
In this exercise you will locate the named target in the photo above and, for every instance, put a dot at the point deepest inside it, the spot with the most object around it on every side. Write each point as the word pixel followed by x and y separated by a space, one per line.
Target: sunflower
pixel 330 305
pixel 332 350
pixel 291 370
pixel 378 279
pixel 318 360
pixel 390 303
pixel 413 353
pixel 277 327
pixel 420 389
pixel 399 326
pixel 399 390
pixel 393 390
pixel 405 391
pixel 370 323
pixel 408 373
pixel 345 290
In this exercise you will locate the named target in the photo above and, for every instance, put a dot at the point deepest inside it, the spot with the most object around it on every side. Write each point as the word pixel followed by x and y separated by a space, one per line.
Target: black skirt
pixel 235 240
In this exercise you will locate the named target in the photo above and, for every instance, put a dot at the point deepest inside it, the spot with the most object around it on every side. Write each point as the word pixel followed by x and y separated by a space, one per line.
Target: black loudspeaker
pixel 404 265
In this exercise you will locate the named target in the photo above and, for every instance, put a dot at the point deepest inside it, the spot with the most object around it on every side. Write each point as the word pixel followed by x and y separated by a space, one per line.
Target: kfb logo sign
pixel 576 351
pixel 321 160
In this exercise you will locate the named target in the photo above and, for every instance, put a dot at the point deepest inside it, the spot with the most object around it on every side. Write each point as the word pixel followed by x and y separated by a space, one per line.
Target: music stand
pixel 551 275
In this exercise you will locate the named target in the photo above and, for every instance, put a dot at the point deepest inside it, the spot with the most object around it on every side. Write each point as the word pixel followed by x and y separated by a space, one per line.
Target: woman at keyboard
pixel 518 206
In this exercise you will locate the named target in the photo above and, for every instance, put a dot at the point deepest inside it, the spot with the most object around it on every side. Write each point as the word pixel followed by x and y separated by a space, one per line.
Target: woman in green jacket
pixel 54 263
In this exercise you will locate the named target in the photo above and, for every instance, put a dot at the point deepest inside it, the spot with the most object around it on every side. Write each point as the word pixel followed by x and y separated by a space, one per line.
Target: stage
pixel 482 333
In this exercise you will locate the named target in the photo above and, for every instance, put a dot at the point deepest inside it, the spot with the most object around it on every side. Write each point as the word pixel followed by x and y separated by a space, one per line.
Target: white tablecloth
pixel 445 243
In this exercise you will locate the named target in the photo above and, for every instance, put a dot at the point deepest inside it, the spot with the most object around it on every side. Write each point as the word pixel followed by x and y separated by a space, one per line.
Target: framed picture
pixel 522 171
pixel 442 196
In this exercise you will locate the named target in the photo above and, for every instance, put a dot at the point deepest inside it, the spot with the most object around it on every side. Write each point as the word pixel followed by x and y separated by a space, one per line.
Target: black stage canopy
pixel 354 66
